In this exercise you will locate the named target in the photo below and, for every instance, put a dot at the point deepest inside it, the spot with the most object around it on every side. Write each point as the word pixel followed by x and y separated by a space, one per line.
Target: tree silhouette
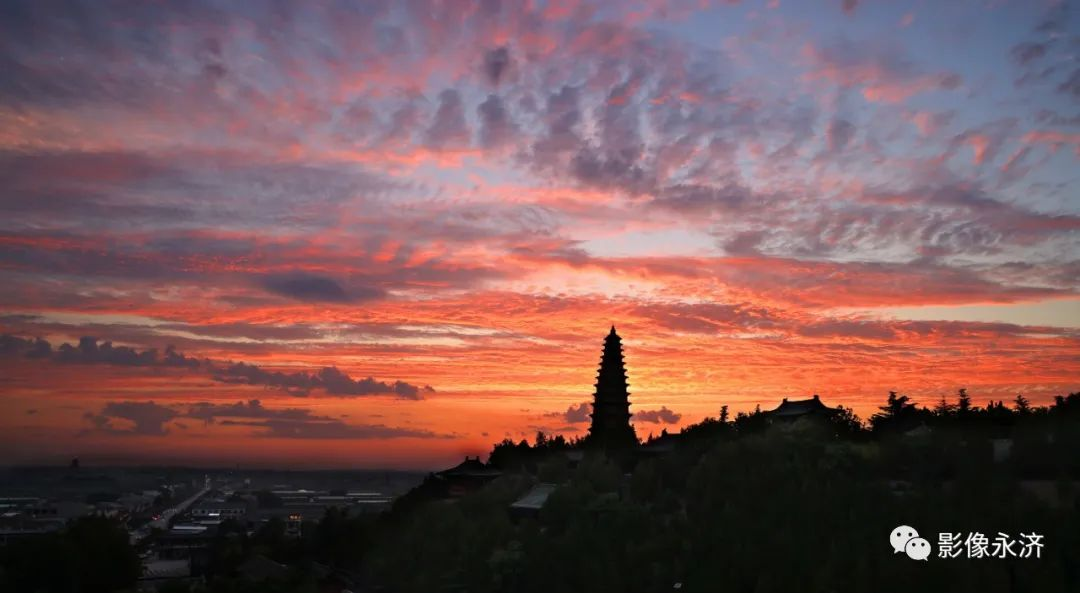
pixel 91 555
pixel 944 408
pixel 963 402
pixel 898 413
pixel 1021 404
pixel 846 424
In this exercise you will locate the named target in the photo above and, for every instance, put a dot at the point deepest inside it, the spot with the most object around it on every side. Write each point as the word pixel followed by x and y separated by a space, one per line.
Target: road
pixel 162 522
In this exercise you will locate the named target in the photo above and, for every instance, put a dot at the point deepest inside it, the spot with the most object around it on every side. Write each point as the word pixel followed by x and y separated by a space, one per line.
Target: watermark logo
pixel 906 539
pixel 977 545
pixel 971 545
pixel 917 548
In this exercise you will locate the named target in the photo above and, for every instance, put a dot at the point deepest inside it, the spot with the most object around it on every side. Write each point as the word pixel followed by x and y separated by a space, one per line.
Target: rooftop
pixel 221 504
pixel 799 407
pixel 534 499
pixel 472 466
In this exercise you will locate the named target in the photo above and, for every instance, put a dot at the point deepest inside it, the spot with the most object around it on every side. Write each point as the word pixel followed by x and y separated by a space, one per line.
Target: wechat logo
pixel 906 539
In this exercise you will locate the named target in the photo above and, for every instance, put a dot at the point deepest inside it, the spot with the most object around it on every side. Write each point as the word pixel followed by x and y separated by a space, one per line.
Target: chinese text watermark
pixel 973 545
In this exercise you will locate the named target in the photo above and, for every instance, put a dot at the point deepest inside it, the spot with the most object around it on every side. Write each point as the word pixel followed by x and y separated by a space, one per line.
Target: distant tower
pixel 611 403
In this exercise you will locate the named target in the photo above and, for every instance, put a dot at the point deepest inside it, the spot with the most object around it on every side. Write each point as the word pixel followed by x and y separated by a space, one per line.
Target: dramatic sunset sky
pixel 390 234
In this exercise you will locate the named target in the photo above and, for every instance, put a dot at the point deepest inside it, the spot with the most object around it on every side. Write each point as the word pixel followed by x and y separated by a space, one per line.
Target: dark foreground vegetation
pixel 741 505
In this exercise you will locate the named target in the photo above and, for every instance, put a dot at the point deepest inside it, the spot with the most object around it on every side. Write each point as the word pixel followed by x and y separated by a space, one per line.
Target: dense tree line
pixel 745 504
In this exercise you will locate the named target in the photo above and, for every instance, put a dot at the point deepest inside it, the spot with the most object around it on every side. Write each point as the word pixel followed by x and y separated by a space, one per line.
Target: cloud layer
pixel 363 198
pixel 151 418
pixel 329 380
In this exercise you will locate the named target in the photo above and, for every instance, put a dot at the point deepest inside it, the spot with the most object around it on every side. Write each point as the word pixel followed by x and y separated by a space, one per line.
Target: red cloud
pixel 883 75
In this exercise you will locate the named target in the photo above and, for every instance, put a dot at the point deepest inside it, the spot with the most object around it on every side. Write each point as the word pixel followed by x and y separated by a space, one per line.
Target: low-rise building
pixel 220 510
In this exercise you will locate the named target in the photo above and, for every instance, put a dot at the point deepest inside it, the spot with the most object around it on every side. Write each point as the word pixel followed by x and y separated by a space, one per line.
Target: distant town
pixel 173 515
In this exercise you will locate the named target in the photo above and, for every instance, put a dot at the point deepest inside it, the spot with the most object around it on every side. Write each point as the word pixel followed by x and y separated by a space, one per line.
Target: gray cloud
pixel 839 134
pixel 209 412
pixel 449 128
pixel 562 118
pixel 313 288
pixel 330 380
pixel 496 126
pixel 1071 85
pixel 703 200
pixel 148 418
pixel 575 414
pixel 496 62
pixel 333 429
pixel 88 351
pixel 1024 53
pixel 661 416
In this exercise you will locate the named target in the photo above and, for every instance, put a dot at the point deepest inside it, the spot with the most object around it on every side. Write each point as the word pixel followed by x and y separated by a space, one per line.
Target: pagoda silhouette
pixel 610 428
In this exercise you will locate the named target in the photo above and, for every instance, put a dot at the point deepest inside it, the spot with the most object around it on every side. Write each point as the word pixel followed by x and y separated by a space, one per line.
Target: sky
pixel 392 233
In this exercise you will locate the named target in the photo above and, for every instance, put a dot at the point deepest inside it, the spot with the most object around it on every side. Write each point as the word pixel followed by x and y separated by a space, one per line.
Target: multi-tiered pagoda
pixel 611 403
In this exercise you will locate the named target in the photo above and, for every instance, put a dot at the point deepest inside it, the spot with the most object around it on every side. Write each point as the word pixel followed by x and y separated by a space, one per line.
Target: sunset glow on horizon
pixel 390 234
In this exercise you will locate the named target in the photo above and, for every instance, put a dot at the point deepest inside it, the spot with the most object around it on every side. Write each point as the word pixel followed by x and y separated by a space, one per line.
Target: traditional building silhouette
pixel 611 403
pixel 467 476
pixel 790 411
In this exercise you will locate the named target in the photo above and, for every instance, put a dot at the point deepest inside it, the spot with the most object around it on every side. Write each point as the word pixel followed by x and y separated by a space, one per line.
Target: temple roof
pixel 472 466
pixel 535 498
pixel 799 407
